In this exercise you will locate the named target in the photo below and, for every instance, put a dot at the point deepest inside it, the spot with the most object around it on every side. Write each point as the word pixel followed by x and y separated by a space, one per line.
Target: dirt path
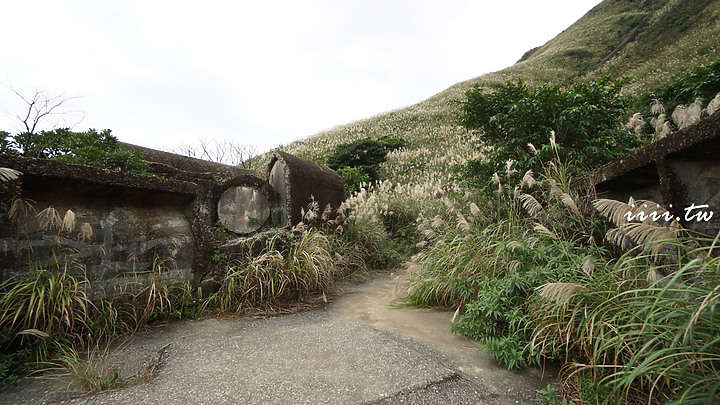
pixel 355 351
pixel 372 303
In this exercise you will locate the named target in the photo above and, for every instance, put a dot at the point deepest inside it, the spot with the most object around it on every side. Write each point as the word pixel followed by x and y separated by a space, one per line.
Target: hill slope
pixel 652 40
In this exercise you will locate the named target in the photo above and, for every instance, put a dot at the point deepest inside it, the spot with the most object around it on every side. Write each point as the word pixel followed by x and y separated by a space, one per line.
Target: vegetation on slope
pixel 529 263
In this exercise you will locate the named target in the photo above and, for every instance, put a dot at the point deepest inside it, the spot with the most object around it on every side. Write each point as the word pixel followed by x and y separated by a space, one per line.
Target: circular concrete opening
pixel 243 209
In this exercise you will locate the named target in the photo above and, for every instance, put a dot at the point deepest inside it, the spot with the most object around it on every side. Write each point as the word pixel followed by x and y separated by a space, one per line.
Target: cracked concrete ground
pixel 355 351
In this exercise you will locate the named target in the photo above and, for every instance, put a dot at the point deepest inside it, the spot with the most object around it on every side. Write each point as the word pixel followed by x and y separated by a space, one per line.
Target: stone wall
pixel 120 225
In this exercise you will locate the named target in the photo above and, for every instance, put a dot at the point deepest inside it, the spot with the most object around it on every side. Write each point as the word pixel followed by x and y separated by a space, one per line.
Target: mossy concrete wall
pixel 678 171
pixel 108 226
pixel 121 226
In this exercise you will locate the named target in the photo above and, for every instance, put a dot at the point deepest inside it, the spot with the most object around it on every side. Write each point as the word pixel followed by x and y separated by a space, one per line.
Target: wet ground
pixel 357 350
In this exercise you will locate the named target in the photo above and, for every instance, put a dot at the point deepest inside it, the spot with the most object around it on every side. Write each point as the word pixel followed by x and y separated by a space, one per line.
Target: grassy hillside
pixel 677 36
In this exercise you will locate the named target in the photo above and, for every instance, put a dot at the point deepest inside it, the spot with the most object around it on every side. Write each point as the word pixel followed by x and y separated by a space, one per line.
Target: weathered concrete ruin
pixel 299 183
pixel 120 224
pixel 679 171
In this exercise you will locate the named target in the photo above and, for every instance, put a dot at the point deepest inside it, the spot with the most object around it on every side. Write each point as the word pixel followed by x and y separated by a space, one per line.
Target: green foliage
pixel 14 363
pixel 703 81
pixel 91 148
pixel 352 178
pixel 361 159
pixel 542 286
pixel 586 119
pixel 497 315
pixel 551 396
pixel 647 336
pixel 401 229
pixel 384 258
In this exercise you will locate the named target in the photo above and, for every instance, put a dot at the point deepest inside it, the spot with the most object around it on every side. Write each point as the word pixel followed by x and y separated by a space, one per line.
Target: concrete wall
pixel 678 171
pixel 124 223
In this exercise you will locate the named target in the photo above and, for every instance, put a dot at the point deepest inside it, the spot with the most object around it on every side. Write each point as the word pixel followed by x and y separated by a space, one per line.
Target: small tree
pixel 90 148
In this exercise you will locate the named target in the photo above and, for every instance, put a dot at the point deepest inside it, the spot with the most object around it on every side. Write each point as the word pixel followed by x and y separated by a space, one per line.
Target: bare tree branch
pixel 40 107
pixel 223 151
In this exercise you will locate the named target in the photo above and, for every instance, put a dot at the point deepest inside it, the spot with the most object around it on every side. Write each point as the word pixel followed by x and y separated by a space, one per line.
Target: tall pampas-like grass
pixel 49 218
pixel 561 293
pixel 8 174
pixel 713 105
pixel 531 204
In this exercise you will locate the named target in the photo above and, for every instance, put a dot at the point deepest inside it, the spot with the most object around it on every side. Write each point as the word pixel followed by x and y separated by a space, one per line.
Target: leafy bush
pixel 91 148
pixel 359 161
pixel 585 118
pixel 353 178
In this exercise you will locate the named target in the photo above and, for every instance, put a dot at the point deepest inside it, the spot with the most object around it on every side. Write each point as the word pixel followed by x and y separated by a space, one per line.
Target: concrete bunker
pixel 678 171
pixel 136 218
pixel 244 204
pixel 299 183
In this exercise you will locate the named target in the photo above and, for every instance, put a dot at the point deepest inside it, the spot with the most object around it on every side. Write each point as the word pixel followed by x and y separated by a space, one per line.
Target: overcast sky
pixel 262 73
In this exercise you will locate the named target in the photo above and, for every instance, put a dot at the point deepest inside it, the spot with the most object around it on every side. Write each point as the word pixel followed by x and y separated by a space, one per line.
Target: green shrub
pixel 586 119
pixel 383 258
pixel 362 158
pixel 91 148
pixel 353 178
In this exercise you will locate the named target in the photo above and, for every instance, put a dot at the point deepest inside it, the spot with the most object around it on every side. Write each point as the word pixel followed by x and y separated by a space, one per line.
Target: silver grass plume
pixel 615 211
pixel 532 240
pixel 530 204
pixel 618 238
pixel 49 218
pixel 654 276
pixel 68 222
pixel 542 229
pixel 635 123
pixel 661 125
pixel 714 105
pixel 528 180
pixel 514 245
pixel 7 174
pixel 532 149
pixel 474 209
pixel 86 232
pixel 451 206
pixel 657 107
pixel 462 223
pixel 570 203
pixel 326 213
pixel 560 293
pixel 509 170
pixel 496 180
pixel 649 236
pixel 588 265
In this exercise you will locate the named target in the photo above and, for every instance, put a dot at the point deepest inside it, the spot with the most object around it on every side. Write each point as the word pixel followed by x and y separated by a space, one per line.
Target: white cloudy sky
pixel 263 73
